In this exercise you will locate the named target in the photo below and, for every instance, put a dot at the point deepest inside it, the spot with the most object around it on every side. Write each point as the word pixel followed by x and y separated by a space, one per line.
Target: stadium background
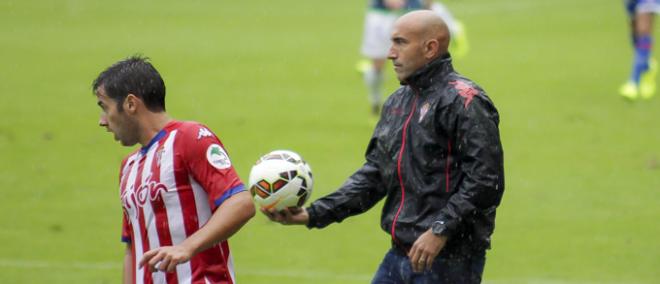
pixel 582 165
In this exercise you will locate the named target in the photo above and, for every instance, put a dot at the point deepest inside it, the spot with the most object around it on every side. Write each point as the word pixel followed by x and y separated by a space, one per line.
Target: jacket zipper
pixel 398 164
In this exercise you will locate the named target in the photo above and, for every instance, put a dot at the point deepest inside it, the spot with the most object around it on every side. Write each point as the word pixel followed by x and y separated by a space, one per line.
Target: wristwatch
pixel 439 228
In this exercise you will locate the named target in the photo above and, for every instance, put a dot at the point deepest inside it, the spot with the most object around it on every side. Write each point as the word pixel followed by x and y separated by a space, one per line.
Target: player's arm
pixel 227 219
pixel 209 164
pixel 358 194
pixel 128 265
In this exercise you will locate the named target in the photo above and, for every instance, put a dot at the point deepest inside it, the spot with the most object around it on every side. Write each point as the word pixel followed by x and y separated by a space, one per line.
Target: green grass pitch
pixel 582 199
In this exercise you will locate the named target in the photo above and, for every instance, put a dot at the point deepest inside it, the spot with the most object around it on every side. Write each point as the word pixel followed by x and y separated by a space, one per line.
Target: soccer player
pixel 641 83
pixel 181 196
pixel 436 158
pixel 375 42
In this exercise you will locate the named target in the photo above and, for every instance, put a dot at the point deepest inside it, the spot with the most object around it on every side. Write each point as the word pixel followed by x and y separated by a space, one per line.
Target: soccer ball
pixel 281 179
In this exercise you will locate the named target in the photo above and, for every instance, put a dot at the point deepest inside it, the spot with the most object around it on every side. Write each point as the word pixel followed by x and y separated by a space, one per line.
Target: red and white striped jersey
pixel 169 189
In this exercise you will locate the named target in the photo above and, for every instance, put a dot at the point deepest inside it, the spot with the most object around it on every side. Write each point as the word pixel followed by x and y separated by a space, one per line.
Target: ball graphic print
pixel 281 179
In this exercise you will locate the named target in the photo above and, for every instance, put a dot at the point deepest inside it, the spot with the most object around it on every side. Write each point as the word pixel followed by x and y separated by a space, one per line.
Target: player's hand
pixel 425 249
pixel 287 216
pixel 165 258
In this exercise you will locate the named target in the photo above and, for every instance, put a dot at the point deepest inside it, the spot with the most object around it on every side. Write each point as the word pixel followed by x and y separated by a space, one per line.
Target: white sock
pixel 374 81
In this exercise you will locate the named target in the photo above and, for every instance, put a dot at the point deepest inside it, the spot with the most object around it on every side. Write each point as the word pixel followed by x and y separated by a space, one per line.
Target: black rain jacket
pixel 435 155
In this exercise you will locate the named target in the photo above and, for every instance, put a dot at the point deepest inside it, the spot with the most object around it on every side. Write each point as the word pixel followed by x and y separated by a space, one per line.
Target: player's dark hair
pixel 133 75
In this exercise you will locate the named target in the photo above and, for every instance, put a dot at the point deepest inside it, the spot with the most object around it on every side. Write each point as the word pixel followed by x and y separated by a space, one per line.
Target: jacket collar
pixel 423 78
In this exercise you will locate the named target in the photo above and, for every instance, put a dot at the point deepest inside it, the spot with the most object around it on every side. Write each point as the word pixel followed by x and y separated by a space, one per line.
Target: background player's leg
pixel 373 78
pixel 645 67
pixel 641 82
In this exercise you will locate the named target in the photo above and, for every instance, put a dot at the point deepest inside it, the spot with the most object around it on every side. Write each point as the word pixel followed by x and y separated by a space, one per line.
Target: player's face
pixel 118 122
pixel 406 52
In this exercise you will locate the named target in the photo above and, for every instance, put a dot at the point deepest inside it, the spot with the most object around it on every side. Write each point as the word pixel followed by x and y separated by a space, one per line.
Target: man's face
pixel 118 122
pixel 406 51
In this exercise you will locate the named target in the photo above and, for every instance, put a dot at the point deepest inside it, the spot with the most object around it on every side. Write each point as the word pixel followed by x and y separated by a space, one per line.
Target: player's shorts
pixel 377 33
pixel 642 6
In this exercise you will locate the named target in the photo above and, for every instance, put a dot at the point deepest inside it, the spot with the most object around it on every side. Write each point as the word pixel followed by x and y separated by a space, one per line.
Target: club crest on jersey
pixel 422 112
pixel 217 157
pixel 203 132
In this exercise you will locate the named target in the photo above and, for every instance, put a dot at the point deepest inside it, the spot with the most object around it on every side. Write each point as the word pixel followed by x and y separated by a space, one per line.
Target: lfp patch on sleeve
pixel 217 157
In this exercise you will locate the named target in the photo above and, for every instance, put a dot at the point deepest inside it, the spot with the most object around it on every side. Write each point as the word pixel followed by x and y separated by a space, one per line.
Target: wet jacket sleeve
pixel 358 194
pixel 480 159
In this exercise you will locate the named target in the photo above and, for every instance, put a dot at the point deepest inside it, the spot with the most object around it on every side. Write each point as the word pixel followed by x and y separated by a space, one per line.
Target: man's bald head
pixel 418 38
pixel 427 25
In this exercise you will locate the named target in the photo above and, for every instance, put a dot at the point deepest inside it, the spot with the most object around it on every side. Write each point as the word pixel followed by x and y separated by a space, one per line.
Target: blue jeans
pixel 446 269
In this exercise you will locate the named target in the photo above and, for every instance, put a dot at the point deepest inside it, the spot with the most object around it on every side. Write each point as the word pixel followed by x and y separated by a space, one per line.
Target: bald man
pixel 436 158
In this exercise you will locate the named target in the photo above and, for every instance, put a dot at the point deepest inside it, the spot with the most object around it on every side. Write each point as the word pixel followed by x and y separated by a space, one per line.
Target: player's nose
pixel 391 52
pixel 103 122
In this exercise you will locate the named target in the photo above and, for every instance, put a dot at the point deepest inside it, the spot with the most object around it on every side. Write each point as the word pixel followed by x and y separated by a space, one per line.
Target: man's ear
pixel 431 48
pixel 131 103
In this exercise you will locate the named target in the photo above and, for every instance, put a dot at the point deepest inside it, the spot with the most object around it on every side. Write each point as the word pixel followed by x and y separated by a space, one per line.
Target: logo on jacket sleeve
pixel 465 90
pixel 217 157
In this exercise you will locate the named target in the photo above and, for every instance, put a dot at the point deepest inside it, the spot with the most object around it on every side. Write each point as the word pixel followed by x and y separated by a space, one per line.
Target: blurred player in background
pixel 641 83
pixel 436 158
pixel 181 196
pixel 379 19
pixel 458 46
pixel 375 42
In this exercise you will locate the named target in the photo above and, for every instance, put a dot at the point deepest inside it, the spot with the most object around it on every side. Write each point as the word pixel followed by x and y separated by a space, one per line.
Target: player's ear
pixel 131 103
pixel 431 48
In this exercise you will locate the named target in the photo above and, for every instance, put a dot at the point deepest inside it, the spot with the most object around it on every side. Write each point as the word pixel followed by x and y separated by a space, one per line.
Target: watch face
pixel 438 227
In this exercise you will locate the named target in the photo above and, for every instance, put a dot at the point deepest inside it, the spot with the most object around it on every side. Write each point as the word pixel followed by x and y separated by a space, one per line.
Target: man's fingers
pixel 274 215
pixel 277 217
pixel 155 260
pixel 164 264
pixel 420 259
pixel 287 216
pixel 172 265
pixel 429 263
pixel 414 256
pixel 419 265
pixel 147 256
pixel 268 213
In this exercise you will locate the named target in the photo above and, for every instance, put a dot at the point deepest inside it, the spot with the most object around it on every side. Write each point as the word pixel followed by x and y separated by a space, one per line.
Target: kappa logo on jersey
pixel 422 112
pixel 217 157
pixel 203 132
pixel 149 191
pixel 466 91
